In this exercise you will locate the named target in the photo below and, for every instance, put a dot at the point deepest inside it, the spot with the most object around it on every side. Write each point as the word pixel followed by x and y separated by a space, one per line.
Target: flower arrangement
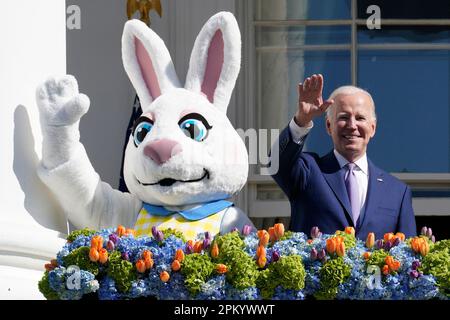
pixel 248 264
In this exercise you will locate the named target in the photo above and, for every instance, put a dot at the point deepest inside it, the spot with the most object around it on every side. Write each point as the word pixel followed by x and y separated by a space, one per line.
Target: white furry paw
pixel 60 102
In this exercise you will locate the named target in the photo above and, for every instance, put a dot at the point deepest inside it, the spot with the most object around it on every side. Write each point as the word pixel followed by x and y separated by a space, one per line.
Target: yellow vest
pixel 190 229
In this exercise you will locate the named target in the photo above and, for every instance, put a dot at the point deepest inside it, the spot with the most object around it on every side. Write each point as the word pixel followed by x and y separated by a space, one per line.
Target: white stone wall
pixel 33 47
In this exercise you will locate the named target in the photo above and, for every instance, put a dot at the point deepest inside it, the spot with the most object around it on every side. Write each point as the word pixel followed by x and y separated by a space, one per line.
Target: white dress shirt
pixel 361 169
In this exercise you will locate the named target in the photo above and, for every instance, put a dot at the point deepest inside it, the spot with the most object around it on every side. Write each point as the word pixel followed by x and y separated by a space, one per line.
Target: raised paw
pixel 60 102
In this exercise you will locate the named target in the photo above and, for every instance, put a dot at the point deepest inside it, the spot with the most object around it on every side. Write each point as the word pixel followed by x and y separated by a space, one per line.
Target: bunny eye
pixel 142 127
pixel 194 126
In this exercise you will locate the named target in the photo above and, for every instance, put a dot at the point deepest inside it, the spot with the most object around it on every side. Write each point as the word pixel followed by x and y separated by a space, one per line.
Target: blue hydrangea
pixel 232 293
pixel 288 294
pixel 71 283
pixel 213 289
pixel 108 290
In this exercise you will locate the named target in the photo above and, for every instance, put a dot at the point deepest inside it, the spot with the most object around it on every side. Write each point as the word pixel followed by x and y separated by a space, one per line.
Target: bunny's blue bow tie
pixel 194 214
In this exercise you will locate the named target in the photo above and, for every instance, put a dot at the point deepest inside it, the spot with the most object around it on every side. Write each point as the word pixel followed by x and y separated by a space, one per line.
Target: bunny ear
pixel 215 60
pixel 147 62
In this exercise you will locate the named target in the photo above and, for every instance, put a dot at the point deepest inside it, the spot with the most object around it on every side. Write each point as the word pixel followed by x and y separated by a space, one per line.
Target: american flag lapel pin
pixel 379 179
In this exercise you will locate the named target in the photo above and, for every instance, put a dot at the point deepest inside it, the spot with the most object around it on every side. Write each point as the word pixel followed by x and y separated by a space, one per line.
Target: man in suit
pixel 343 188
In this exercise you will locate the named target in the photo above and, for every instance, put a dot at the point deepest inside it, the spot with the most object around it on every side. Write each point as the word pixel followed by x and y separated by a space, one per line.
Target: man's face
pixel 351 125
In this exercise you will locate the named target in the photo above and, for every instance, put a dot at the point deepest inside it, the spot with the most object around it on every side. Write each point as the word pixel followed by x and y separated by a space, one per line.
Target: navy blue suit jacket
pixel 316 190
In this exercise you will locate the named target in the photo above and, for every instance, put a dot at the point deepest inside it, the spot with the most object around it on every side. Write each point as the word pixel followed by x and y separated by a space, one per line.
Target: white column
pixel 31 222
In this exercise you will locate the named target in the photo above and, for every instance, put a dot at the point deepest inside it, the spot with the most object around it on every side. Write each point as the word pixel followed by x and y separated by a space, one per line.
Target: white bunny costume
pixel 184 157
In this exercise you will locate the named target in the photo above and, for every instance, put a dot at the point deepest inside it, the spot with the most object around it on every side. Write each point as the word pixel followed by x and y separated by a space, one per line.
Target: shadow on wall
pixel 38 200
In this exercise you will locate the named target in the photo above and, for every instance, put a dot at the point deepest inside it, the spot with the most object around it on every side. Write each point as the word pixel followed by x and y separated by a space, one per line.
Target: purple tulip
pixel 433 239
pixel 208 235
pixel 315 232
pixel 114 238
pixel 275 256
pixel 396 242
pixel 379 244
pixel 387 246
pixel 416 264
pixel 206 243
pixel 154 232
pixel 159 236
pixel 125 256
pixel 246 230
pixel 110 245
pixel 321 254
pixel 189 249
pixel 429 233
pixel 414 274
pixel 313 254
pixel 424 231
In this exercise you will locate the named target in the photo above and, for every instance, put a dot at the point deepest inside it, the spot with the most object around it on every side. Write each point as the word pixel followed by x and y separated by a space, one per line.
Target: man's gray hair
pixel 348 90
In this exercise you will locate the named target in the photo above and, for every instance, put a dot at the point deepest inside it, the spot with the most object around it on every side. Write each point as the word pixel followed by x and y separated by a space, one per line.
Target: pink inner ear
pixel 214 65
pixel 148 72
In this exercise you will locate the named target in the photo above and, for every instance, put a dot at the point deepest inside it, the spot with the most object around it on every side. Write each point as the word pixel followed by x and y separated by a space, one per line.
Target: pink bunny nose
pixel 162 150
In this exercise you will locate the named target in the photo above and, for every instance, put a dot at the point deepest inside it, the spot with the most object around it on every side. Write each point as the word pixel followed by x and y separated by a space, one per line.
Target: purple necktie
pixel 352 189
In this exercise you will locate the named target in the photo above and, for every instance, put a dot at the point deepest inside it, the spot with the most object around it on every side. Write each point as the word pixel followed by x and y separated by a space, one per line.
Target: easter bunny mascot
pixel 183 159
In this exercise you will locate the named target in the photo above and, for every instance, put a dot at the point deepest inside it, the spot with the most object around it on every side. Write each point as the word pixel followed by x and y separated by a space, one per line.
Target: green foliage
pixel 287 235
pixel 83 232
pixel 377 258
pixel 287 272
pixel 349 239
pixel 267 283
pixel 80 258
pixel 228 243
pixel 44 288
pixel 437 263
pixel 242 269
pixel 332 274
pixel 196 268
pixel 169 232
pixel 122 271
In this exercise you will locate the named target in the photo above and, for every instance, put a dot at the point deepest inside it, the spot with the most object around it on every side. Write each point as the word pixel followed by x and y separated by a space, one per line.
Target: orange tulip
pixel 120 230
pixel 176 265
pixel 261 251
pixel 388 237
pixel 140 266
pixel 340 249
pixel 179 255
pixel 331 245
pixel 400 235
pixel 279 230
pixel 264 237
pixel 272 236
pixel 415 244
pixel 370 241
pixel 215 250
pixel 385 270
pixel 49 267
pixel 350 230
pixel 424 248
pixel 395 265
pixel 97 242
pixel 148 263
pixel 198 246
pixel 93 255
pixel 164 276
pixel 130 231
pixel 389 260
pixel 103 256
pixel 147 254
pixel 221 268
pixel 367 255
pixel 262 261
pixel 309 241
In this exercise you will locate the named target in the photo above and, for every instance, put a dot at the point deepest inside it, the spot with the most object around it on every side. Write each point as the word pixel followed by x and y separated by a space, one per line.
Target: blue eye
pixel 194 129
pixel 140 131
pixel 194 126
